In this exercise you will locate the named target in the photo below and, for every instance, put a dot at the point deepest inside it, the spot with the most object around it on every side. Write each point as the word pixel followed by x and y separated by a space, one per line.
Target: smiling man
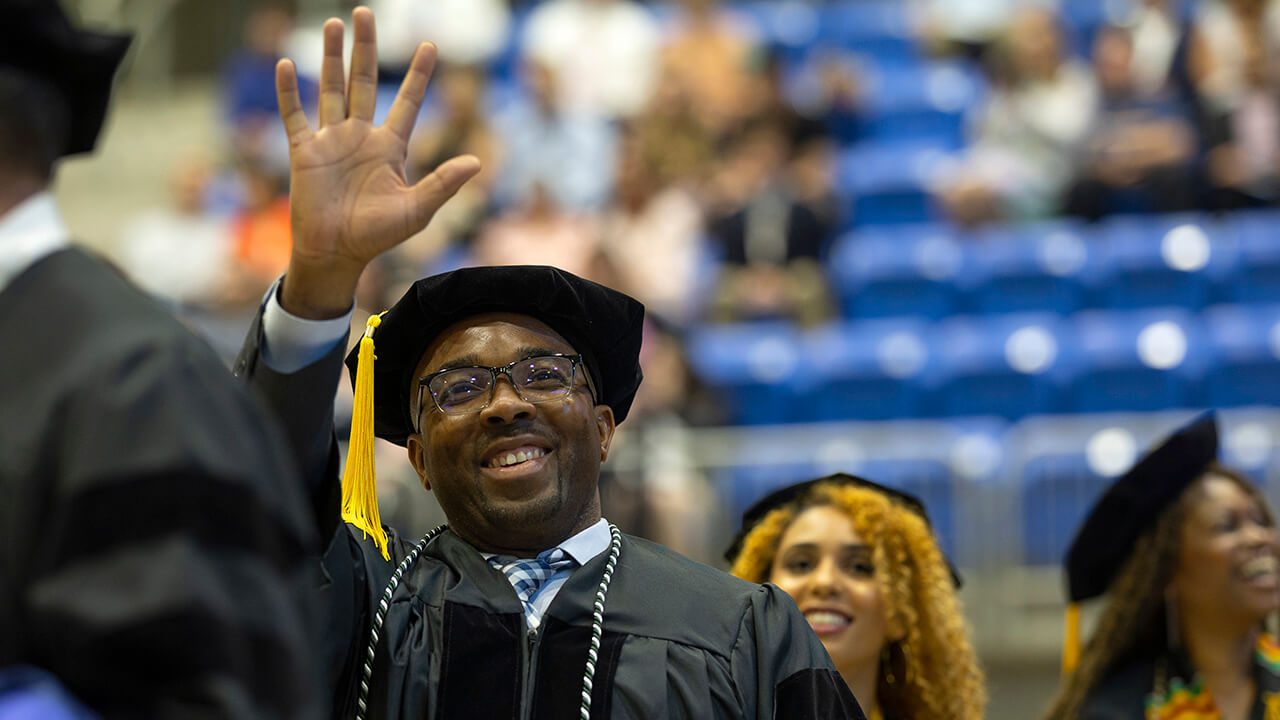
pixel 505 386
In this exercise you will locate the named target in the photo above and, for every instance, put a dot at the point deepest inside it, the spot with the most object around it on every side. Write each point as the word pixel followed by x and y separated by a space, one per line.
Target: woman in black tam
pixel 1188 552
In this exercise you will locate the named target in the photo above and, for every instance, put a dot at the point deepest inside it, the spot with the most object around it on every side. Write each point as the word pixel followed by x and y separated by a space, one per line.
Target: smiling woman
pixel 1189 554
pixel 863 566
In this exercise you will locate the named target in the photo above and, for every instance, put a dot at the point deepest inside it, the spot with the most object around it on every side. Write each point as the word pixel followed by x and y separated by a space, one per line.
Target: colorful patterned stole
pixel 1172 698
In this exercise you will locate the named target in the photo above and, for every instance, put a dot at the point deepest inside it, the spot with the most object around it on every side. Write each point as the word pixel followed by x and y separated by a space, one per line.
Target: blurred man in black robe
pixel 153 536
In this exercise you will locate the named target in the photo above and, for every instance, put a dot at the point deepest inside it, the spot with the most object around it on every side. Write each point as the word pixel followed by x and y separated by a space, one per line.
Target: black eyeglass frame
pixel 494 372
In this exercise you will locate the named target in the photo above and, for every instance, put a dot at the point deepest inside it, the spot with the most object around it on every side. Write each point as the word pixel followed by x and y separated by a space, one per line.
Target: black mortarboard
pixel 1131 505
pixel 790 493
pixel 37 39
pixel 603 325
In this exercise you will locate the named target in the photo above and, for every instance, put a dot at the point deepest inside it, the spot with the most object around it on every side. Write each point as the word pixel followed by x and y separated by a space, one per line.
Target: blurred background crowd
pixel 984 250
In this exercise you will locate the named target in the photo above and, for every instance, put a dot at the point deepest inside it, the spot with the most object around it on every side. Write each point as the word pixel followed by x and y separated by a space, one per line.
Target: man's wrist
pixel 318 293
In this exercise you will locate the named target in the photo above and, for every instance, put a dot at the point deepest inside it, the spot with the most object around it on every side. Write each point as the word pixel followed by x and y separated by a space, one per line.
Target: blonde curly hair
pixel 935 670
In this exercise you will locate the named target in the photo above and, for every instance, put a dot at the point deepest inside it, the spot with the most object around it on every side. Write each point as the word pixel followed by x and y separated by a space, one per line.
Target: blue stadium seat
pixel 888 181
pixel 1026 268
pixel 869 369
pixel 1008 366
pixel 1156 260
pixel 879 29
pixel 1257 278
pixel 897 271
pixel 757 366
pixel 920 103
pixel 1245 344
pixel 1141 360
pixel 1058 491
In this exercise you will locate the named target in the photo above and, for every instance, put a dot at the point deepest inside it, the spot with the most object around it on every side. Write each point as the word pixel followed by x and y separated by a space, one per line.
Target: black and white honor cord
pixel 597 618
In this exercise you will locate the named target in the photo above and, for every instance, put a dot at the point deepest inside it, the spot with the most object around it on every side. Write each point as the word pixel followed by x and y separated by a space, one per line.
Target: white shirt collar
pixel 29 232
pixel 583 546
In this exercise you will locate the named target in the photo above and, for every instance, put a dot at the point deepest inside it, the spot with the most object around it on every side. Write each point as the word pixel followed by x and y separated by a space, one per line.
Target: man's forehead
pixel 490 338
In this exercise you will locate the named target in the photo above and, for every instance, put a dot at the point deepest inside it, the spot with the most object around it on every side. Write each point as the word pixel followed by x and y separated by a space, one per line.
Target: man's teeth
pixel 516 457
pixel 823 618
pixel 1257 567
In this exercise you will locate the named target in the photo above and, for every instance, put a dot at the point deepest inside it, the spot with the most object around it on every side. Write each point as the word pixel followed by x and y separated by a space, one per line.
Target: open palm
pixel 348 196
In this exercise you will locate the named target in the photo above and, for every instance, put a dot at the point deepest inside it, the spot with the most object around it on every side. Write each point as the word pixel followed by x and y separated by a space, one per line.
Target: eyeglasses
pixel 465 390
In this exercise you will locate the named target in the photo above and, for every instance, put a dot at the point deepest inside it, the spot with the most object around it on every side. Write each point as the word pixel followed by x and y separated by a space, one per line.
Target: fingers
pixel 404 111
pixel 289 101
pixel 333 96
pixel 364 65
pixel 433 190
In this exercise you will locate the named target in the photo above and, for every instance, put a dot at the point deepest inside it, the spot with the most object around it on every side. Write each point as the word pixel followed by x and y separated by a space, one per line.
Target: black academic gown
pixel 681 640
pixel 1128 693
pixel 152 530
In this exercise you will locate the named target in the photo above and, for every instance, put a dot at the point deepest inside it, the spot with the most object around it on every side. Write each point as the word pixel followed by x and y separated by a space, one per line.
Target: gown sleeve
pixel 778 655
pixel 161 556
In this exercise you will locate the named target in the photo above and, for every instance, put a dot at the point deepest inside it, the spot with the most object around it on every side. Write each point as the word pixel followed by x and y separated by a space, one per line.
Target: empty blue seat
pixel 756 366
pixel 1156 260
pixel 1245 344
pixel 1008 366
pixel 1257 278
pixel 1058 491
pixel 869 369
pixel 1139 360
pixel 1027 268
pixel 879 29
pixel 888 182
pixel 897 271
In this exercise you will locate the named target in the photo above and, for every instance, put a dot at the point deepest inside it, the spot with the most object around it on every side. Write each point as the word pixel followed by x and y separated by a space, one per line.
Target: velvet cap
pixel 38 40
pixel 601 324
pixel 791 493
pixel 1132 504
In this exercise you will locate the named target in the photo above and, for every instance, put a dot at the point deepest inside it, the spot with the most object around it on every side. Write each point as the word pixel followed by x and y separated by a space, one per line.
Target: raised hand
pixel 348 197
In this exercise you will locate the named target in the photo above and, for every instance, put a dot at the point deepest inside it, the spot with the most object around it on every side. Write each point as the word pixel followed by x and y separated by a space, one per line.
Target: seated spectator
pixel 1158 35
pixel 180 252
pixel 572 152
pixel 262 238
pixel 708 52
pixel 460 126
pixel 466 32
pixel 652 236
pixel 1139 153
pixel 671 133
pixel 249 81
pixel 1030 132
pixel 1224 36
pixel 603 51
pixel 769 242
pixel 540 232
pixel 1244 163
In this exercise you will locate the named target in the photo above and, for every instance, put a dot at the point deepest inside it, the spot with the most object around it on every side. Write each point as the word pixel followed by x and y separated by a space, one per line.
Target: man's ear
pixel 417 449
pixel 605 425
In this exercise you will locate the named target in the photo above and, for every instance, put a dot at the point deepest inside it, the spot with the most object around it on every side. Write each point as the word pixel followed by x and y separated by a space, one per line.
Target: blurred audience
pixel 1034 124
pixel 707 52
pixel 539 231
pixel 249 82
pixel 181 252
pixel 1139 152
pixel 570 152
pixel 652 236
pixel 466 32
pixel 603 51
pixel 769 242
pixel 261 235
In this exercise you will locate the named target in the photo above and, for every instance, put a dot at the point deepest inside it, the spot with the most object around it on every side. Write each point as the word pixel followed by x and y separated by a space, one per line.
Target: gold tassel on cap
pixel 359 488
pixel 1071 640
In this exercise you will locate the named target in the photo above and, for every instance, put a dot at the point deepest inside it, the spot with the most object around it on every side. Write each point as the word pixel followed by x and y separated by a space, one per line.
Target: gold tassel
pixel 359 488
pixel 1071 640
